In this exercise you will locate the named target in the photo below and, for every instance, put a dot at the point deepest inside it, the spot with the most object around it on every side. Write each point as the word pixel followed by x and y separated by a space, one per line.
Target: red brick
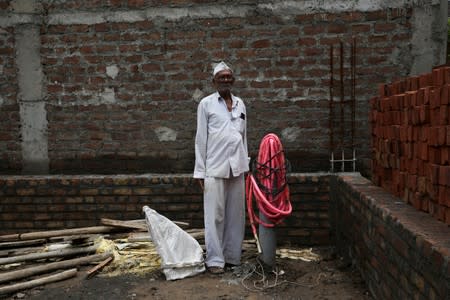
pixel 432 190
pixel 313 29
pixel 384 27
pixel 443 196
pixel 442 135
pixel 444 175
pixel 102 27
pixel 447 75
pixel 447 221
pixel 136 3
pixel 54 88
pixel 337 28
pixel 424 114
pixel 433 173
pixel 443 114
pixel 416 201
pixel 265 43
pixel 438 76
pixel 360 28
pixel 435 97
pixel 445 155
pixel 434 155
pixel 445 94
pixel 448 135
pixel 425 80
pixel 435 115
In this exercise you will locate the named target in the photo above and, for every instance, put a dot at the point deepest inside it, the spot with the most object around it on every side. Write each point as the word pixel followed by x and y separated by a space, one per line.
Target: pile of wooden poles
pixel 33 259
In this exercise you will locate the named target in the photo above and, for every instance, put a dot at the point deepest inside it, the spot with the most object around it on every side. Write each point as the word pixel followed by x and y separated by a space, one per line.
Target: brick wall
pixel 122 79
pixel 10 156
pixel 411 141
pixel 56 202
pixel 402 253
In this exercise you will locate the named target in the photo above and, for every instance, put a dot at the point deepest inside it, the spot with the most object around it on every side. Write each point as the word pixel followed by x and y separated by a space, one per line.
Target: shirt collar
pixel 233 98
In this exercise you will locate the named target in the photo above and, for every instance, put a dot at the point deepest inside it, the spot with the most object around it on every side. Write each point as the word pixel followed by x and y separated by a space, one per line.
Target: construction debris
pixel 37 282
pixel 28 259
pixel 32 259
pixel 303 254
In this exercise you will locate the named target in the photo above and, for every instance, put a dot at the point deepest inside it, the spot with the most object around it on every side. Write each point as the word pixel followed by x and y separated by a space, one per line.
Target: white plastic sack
pixel 181 254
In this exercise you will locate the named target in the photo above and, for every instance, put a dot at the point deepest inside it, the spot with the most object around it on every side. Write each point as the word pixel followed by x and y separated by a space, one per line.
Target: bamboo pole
pixel 21 243
pixel 23 273
pixel 55 233
pixel 37 282
pixel 50 254
pixel 20 251
pixel 124 224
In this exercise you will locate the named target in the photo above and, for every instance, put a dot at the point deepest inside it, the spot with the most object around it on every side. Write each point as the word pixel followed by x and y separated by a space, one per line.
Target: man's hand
pixel 201 183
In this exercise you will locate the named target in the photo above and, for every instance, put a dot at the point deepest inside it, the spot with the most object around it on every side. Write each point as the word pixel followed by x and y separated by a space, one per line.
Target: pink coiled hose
pixel 267 184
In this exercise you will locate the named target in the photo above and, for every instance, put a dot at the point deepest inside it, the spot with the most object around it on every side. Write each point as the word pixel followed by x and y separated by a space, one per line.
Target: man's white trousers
pixel 224 210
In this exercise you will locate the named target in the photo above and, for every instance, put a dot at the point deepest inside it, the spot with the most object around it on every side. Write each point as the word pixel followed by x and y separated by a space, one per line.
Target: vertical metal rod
pixel 353 90
pixel 332 162
pixel 353 100
pixel 354 160
pixel 331 109
pixel 342 98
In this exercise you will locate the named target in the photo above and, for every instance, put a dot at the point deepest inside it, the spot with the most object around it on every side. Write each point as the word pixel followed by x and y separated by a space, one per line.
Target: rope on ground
pixel 262 281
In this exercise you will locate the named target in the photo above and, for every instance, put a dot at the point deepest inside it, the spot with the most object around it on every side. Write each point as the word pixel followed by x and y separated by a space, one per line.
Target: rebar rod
pixel 353 97
pixel 342 91
pixel 331 109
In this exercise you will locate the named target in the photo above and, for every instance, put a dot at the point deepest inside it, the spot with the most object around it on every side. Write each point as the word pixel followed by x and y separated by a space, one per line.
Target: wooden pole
pixel 37 282
pixel 98 267
pixel 23 273
pixel 54 233
pixel 22 243
pixel 50 254
pixel 124 224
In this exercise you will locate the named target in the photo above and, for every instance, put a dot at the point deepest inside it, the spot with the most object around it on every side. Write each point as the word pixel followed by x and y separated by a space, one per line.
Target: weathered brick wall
pixel 411 141
pixel 402 253
pixel 56 202
pixel 122 79
pixel 11 157
pixel 10 153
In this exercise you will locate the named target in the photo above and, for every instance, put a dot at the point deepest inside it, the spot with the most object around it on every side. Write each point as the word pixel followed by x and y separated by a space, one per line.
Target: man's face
pixel 223 81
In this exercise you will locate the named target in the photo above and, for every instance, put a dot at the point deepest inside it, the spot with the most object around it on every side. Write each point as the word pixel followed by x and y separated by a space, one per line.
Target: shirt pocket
pixel 239 124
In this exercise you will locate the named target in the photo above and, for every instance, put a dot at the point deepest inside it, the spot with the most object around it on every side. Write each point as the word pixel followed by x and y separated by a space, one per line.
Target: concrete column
pixel 429 39
pixel 31 96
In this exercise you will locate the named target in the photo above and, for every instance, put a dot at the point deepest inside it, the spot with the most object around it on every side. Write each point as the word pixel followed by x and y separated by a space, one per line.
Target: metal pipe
pixel 268 242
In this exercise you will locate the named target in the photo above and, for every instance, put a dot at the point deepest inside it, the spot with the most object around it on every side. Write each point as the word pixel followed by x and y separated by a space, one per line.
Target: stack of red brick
pixel 411 141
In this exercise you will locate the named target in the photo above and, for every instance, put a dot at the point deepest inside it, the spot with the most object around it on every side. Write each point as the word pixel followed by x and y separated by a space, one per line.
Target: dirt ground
pixel 328 278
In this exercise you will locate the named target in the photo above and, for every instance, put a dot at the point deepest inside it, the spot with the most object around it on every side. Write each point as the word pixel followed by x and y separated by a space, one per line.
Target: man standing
pixel 221 159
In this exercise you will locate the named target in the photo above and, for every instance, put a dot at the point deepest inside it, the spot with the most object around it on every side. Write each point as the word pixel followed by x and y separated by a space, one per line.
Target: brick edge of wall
pixel 402 253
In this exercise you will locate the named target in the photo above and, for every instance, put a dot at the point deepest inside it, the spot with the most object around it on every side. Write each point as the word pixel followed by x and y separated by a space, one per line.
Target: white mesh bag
pixel 181 254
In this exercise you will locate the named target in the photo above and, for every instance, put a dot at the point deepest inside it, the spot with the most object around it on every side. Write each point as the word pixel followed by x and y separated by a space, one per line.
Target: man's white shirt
pixel 221 139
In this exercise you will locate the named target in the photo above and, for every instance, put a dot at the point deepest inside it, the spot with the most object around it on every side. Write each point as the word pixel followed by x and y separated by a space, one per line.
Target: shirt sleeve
pixel 201 139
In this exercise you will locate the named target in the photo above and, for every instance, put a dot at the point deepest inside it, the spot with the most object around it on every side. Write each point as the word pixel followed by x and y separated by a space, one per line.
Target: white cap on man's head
pixel 220 67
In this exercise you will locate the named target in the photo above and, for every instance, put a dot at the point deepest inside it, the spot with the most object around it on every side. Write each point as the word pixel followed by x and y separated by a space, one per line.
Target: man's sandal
pixel 216 270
